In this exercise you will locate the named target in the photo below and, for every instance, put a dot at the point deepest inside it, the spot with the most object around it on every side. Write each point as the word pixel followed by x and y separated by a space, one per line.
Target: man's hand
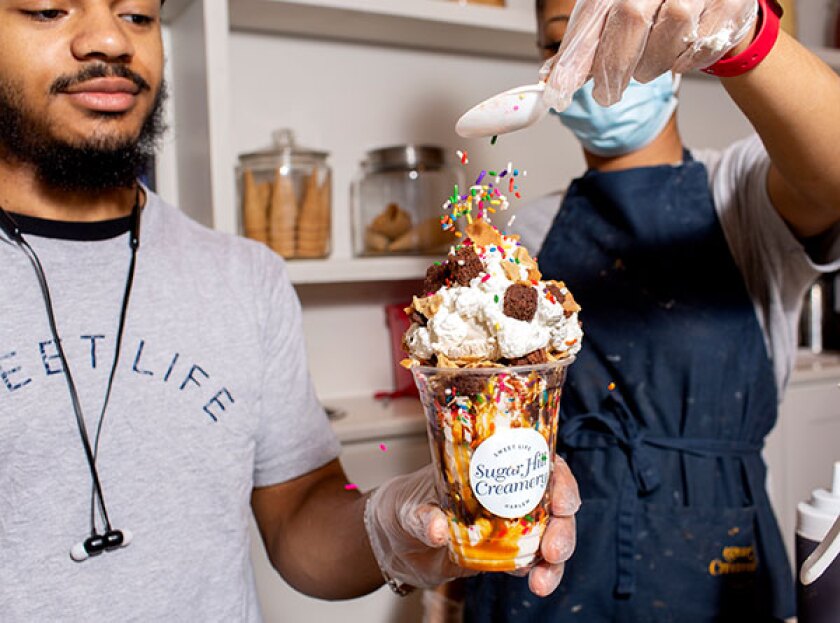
pixel 558 542
pixel 408 531
pixel 615 40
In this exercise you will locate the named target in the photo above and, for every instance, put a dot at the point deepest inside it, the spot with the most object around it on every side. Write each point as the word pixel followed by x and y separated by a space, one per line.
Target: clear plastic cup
pixel 493 433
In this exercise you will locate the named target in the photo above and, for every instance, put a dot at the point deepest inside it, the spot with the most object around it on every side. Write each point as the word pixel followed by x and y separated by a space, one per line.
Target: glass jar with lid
pixel 285 198
pixel 397 199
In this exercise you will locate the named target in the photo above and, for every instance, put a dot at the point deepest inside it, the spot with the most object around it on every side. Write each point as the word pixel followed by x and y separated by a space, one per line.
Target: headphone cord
pixel 134 243
pixel 90 453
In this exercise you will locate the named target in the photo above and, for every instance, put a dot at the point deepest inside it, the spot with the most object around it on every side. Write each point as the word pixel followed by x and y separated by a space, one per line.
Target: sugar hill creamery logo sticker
pixel 509 472
pixel 734 560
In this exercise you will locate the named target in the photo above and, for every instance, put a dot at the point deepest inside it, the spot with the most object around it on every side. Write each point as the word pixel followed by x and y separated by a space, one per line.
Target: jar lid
pixel 285 147
pixel 405 157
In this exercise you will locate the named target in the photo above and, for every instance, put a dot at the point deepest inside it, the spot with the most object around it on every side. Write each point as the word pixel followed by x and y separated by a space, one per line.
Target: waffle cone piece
pixel 282 216
pixel 313 223
pixel 392 222
pixel 426 236
pixel 255 208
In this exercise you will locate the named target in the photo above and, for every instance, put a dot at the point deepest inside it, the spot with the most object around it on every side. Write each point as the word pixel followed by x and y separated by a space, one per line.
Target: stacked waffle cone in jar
pixel 285 198
pixel 282 216
pixel 255 205
pixel 313 223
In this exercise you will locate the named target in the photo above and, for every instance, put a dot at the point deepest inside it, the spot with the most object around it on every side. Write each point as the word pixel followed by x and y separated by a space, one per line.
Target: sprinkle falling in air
pixel 480 200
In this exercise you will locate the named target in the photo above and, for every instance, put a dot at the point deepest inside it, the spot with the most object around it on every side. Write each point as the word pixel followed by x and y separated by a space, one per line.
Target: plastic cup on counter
pixel 493 433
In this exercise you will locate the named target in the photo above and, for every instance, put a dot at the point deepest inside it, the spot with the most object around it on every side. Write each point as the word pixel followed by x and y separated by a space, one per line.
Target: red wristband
pixel 769 18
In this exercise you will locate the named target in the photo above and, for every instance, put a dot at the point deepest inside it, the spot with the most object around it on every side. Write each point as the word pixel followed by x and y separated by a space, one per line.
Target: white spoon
pixel 505 112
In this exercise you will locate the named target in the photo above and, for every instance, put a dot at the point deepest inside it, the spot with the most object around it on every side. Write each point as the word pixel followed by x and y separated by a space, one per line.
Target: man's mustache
pixel 100 70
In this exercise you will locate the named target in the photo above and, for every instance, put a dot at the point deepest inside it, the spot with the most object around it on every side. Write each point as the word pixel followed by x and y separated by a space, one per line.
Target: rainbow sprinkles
pixel 483 198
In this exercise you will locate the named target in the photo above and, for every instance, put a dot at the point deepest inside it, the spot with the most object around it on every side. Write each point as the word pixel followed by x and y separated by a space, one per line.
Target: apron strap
pixel 617 427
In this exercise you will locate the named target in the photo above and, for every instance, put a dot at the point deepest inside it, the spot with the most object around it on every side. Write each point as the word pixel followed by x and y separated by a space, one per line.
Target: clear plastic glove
pixel 408 531
pixel 615 40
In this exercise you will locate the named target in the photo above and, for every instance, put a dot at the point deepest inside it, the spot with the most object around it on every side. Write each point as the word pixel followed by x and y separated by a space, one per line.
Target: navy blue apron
pixel 663 416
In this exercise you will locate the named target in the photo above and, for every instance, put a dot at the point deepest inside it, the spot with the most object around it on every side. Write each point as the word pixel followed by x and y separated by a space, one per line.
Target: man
pixel 691 275
pixel 154 382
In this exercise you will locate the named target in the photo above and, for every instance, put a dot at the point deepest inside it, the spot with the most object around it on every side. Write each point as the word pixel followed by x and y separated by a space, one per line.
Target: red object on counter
pixel 398 324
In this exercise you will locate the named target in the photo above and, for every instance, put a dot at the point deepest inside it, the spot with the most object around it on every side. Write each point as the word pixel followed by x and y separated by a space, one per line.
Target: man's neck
pixel 666 148
pixel 21 192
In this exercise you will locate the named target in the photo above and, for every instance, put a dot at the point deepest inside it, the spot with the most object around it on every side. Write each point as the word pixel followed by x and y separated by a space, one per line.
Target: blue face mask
pixel 628 125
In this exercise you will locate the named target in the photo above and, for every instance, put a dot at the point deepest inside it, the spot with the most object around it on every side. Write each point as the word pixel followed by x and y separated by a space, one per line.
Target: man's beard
pixel 95 164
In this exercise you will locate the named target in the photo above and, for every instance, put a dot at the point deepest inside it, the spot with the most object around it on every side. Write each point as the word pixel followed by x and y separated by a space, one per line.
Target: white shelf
pixel 334 270
pixel 368 419
pixel 811 367
pixel 428 24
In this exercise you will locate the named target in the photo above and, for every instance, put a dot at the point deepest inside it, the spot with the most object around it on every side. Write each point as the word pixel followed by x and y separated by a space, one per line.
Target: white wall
pixel 815 21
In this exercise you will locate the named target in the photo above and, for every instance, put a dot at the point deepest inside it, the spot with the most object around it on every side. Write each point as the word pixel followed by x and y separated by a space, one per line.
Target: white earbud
pixel 78 552
pixel 96 544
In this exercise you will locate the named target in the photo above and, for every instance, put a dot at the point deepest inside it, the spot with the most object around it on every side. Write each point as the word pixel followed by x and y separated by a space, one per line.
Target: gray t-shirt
pixel 212 397
pixel 776 266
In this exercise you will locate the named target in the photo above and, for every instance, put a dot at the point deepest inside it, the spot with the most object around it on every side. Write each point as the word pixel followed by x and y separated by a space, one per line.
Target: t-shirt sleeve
pixel 293 436
pixel 778 268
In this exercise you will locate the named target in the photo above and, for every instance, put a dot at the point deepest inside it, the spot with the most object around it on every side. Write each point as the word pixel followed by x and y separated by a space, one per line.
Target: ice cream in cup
pixel 493 433
pixel 489 345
